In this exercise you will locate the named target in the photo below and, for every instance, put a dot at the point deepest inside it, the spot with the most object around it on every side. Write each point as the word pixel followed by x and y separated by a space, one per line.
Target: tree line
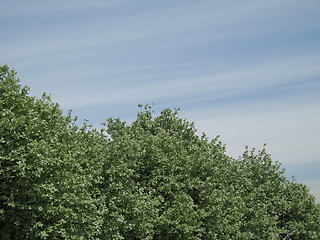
pixel 152 179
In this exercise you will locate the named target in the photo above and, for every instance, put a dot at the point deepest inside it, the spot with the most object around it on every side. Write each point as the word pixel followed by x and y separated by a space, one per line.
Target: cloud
pixel 101 89
pixel 87 25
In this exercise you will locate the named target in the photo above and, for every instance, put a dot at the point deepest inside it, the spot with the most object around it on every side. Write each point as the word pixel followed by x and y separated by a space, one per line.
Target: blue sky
pixel 246 70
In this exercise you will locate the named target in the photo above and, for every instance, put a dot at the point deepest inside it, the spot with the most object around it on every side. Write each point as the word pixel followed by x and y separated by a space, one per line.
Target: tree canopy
pixel 155 178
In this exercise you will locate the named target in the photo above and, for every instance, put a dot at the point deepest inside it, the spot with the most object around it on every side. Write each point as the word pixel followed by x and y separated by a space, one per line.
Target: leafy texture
pixel 50 169
pixel 152 179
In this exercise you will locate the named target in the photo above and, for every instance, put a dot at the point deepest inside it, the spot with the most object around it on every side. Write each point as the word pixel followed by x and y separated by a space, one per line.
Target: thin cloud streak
pixel 222 85
pixel 220 26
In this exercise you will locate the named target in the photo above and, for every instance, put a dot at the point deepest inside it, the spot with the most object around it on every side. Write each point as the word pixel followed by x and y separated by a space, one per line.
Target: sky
pixel 246 70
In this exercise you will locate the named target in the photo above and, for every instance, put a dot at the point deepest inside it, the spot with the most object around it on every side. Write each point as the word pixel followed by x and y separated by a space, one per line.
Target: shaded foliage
pixel 152 179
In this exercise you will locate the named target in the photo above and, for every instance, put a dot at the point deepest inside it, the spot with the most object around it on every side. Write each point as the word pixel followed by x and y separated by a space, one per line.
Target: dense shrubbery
pixel 153 179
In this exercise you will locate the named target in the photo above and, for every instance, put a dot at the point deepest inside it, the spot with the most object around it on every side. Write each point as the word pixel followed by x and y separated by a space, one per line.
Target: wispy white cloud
pixel 216 86
pixel 221 22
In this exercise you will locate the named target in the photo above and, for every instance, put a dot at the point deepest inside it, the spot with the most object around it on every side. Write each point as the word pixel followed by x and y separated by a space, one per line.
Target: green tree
pixel 152 179
pixel 49 169
pixel 195 191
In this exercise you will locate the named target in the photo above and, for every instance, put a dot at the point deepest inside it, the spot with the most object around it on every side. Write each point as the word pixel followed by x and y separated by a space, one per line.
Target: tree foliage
pixel 50 170
pixel 152 179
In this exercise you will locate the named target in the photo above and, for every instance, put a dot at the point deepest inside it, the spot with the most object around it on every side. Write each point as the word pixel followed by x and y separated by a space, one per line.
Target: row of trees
pixel 152 179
